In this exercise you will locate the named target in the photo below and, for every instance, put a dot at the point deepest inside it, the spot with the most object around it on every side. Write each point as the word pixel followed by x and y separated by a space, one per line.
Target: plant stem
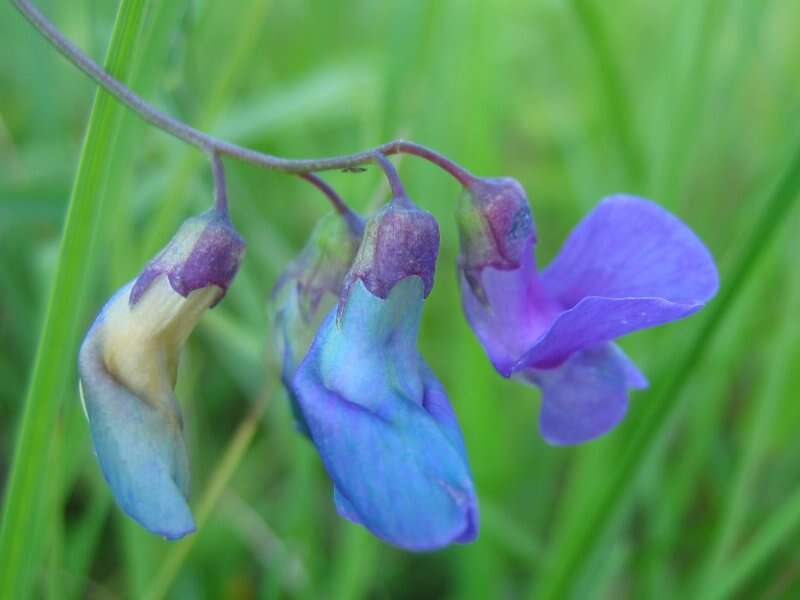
pixel 209 143
pixel 392 176
pixel 463 176
pixel 220 187
pixel 355 222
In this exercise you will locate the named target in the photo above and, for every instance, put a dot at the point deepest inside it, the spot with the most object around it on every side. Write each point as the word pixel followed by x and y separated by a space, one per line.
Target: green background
pixel 695 104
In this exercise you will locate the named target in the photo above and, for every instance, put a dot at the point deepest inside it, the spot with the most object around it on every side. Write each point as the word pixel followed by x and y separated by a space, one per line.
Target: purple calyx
pixel 206 251
pixel 399 241
pixel 495 226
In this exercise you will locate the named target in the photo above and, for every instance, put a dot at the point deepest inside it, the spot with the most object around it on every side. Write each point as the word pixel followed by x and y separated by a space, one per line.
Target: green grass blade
pixel 20 536
pixel 611 501
pixel 756 446
pixel 776 532
pixel 234 453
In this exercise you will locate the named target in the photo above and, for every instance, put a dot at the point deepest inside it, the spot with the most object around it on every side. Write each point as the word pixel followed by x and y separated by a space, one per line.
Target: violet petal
pixel 628 265
pixel 516 312
pixel 586 396
pixel 628 247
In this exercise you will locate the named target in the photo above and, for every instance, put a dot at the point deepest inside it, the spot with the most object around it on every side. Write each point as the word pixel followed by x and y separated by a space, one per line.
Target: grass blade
pixel 767 405
pixel 776 531
pixel 237 448
pixel 20 538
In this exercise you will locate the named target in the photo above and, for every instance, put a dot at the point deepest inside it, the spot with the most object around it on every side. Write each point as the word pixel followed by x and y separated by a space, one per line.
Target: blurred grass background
pixel 693 104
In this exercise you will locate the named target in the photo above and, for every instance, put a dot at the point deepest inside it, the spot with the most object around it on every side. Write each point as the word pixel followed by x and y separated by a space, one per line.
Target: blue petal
pixel 139 447
pixel 586 396
pixel 286 345
pixel 383 425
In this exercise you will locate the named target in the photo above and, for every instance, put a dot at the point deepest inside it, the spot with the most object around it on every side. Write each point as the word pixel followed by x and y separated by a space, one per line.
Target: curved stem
pixel 463 176
pixel 209 143
pixel 355 222
pixel 392 176
pixel 220 187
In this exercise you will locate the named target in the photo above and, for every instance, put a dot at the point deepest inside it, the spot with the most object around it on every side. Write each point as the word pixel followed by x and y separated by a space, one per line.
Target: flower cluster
pixel 346 316
pixel 346 319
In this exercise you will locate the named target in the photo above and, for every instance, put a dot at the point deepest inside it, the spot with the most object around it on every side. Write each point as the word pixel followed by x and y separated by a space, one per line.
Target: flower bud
pixel 321 266
pixel 128 367
pixel 297 297
pixel 400 240
pixel 495 227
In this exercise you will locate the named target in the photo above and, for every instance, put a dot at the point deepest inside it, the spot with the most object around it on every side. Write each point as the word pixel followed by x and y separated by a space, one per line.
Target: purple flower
pixel 375 411
pixel 628 265
pixel 128 366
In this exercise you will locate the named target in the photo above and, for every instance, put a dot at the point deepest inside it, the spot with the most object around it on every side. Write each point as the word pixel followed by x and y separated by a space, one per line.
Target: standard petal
pixel 139 447
pixel 585 397
pixel 628 266
pixel 382 424
pixel 517 310
pixel 628 247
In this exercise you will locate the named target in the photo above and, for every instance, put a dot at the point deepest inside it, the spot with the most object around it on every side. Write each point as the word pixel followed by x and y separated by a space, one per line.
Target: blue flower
pixel 308 288
pixel 378 416
pixel 128 366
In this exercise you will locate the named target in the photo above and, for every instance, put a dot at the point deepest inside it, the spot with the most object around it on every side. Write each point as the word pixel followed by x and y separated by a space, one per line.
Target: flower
pixel 297 298
pixel 128 366
pixel 378 416
pixel 628 265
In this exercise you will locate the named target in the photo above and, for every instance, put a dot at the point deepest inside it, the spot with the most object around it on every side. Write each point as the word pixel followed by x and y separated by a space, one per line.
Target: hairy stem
pixel 209 143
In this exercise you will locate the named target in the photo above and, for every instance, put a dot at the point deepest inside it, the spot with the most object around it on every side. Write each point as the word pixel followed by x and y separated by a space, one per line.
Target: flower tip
pixel 470 532
pixel 158 505
pixel 173 535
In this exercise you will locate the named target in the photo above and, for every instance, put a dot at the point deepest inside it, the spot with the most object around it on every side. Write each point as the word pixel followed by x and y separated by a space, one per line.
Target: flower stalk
pixel 209 143
pixel 220 186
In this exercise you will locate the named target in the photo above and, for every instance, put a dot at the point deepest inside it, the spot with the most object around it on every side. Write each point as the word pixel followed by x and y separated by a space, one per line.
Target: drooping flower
pixel 628 265
pixel 128 366
pixel 297 302
pixel 375 411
